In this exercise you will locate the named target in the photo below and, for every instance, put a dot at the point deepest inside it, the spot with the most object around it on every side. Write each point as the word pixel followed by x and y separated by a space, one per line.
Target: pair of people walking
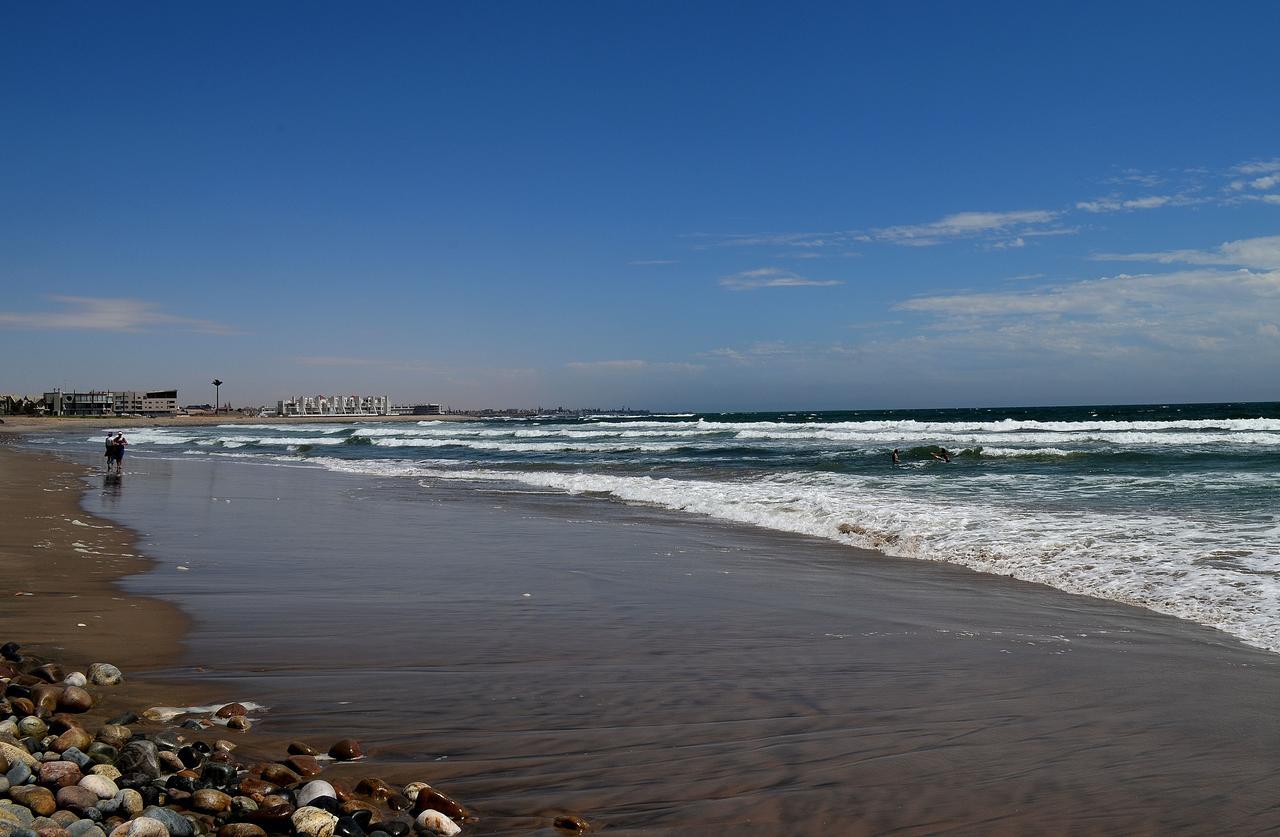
pixel 115 453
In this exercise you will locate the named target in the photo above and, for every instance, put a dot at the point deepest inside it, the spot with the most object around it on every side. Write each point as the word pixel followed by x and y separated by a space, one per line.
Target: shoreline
pixel 49 424
pixel 807 687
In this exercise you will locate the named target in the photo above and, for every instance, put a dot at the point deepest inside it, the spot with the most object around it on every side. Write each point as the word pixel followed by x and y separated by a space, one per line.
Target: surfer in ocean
pixel 941 457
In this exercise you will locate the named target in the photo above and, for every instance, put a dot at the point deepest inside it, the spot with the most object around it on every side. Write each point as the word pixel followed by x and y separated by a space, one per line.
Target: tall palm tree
pixel 217 403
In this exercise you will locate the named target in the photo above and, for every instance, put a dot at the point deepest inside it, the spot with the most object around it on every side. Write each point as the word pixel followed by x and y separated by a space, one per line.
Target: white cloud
pixel 1117 205
pixel 103 314
pixel 631 365
pixel 772 277
pixel 1260 253
pixel 1258 167
pixel 1267 182
pixel 963 225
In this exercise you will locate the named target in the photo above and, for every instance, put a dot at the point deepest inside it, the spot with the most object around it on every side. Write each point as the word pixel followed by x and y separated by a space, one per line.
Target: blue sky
pixel 668 205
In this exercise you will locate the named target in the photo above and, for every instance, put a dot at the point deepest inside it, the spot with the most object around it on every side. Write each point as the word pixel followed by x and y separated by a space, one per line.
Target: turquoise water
pixel 1169 507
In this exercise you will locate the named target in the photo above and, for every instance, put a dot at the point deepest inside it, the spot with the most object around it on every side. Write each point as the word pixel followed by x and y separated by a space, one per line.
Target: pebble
pixel 210 801
pixel 75 699
pixel 85 828
pixel 231 709
pixel 304 766
pixel 347 749
pixel 239 722
pixel 81 760
pixel 16 814
pixel 73 737
pixel 241 829
pixel 570 822
pixel 35 798
pixel 108 770
pixel 100 785
pixel 434 822
pixel 33 726
pixel 75 678
pixel 430 798
pixel 13 753
pixel 313 822
pixel 76 799
pixel 313 790
pixel 139 757
pixel 141 827
pixel 115 734
pixel 105 674
pixel 297 748
pixel 175 823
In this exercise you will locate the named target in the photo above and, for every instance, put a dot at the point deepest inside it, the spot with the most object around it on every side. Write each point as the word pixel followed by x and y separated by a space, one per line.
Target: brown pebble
pixel 114 734
pixel 304 766
pixel 569 822
pixel 399 802
pixel 49 673
pixel 170 759
pixel 59 774
pixel 374 788
pixel 76 799
pixel 231 709
pixel 430 798
pixel 53 831
pixel 274 799
pixel 298 748
pixel 73 737
pixel 241 829
pixel 224 745
pixel 346 750
pixel 257 789
pixel 22 706
pixel 210 801
pixel 60 722
pixel 278 774
pixel 239 722
pixel 177 797
pixel 350 806
pixel 187 773
pixel 39 800
pixel 75 699
pixel 272 817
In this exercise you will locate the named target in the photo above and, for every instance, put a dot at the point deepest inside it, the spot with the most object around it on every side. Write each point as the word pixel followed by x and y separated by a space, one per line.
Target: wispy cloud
pixel 1258 167
pixel 631 365
pixel 772 277
pixel 1113 204
pixel 963 225
pixel 110 314
pixel 1259 253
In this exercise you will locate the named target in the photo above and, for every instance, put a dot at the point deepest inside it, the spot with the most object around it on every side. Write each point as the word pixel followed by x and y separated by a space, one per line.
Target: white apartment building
pixel 336 405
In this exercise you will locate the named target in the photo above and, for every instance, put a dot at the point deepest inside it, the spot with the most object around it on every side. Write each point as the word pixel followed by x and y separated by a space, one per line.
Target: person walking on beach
pixel 117 452
pixel 110 452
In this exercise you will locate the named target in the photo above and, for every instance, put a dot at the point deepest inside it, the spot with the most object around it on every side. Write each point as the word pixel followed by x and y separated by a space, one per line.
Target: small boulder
pixel 76 799
pixel 75 699
pixel 209 801
pixel 38 800
pixel 313 822
pixel 105 674
pixel 59 774
pixel 100 785
pixel 347 749
pixel 432 821
pixel 314 790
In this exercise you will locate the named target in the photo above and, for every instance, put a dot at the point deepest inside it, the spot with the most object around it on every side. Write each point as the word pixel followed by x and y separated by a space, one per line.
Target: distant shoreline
pixel 28 424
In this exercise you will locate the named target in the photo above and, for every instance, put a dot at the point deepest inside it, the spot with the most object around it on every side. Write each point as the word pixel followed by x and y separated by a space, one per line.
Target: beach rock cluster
pixel 62 779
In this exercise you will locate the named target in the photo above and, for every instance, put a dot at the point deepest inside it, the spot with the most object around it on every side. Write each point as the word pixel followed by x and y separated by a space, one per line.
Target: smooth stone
pixel 75 678
pixel 13 753
pixel 131 802
pixel 53 831
pixel 10 830
pixel 273 817
pixel 81 760
pixel 210 801
pixel 242 806
pixel 64 818
pixel 102 753
pixel 241 829
pixel 139 757
pixel 375 788
pixel 75 699
pixel 105 674
pixel 9 727
pixel 115 734
pixel 257 789
pixel 430 798
pixel 141 827
pixel 101 785
pixel 569 822
pixel 218 774
pixel 86 828
pixel 298 748
pixel 314 790
pixel 33 726
pixel 347 827
pixel 22 706
pixel 279 774
pixel 39 800
pixel 412 789
pixel 313 822
pixel 19 774
pixel 346 750
pixel 399 802
pixel 171 761
pixel 224 745
pixel 304 766
pixel 239 722
pixel 11 812
pixel 49 672
pixel 45 822
pixel 108 770
pixel 73 737
pixel 231 709
pixel 76 799
pixel 4 785
pixel 432 821
pixel 178 825
pixel 167 740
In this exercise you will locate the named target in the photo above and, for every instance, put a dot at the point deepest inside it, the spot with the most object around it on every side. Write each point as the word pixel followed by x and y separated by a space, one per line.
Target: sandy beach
pixel 664 674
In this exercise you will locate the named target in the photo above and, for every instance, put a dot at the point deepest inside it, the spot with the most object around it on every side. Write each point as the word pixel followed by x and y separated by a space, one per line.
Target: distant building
pixel 335 405
pixel 417 410
pixel 156 403
pixel 111 403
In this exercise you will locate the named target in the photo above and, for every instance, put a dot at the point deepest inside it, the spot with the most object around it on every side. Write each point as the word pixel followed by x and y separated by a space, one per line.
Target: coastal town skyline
pixel 703 208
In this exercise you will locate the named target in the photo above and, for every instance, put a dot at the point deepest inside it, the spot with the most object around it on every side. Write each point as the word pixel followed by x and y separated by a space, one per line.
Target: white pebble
pixel 435 822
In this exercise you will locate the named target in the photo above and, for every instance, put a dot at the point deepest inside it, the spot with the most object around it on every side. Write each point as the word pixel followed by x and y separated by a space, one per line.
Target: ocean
pixel 1173 508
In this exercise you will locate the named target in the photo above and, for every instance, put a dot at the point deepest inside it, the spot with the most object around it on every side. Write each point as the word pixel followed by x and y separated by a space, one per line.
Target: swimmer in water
pixel 896 460
pixel 941 457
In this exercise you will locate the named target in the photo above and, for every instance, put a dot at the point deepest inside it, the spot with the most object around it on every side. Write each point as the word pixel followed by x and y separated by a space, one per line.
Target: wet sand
pixel 669 674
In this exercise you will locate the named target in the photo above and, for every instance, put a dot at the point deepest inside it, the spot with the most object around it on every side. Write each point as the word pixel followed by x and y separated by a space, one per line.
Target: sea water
pixel 1175 508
